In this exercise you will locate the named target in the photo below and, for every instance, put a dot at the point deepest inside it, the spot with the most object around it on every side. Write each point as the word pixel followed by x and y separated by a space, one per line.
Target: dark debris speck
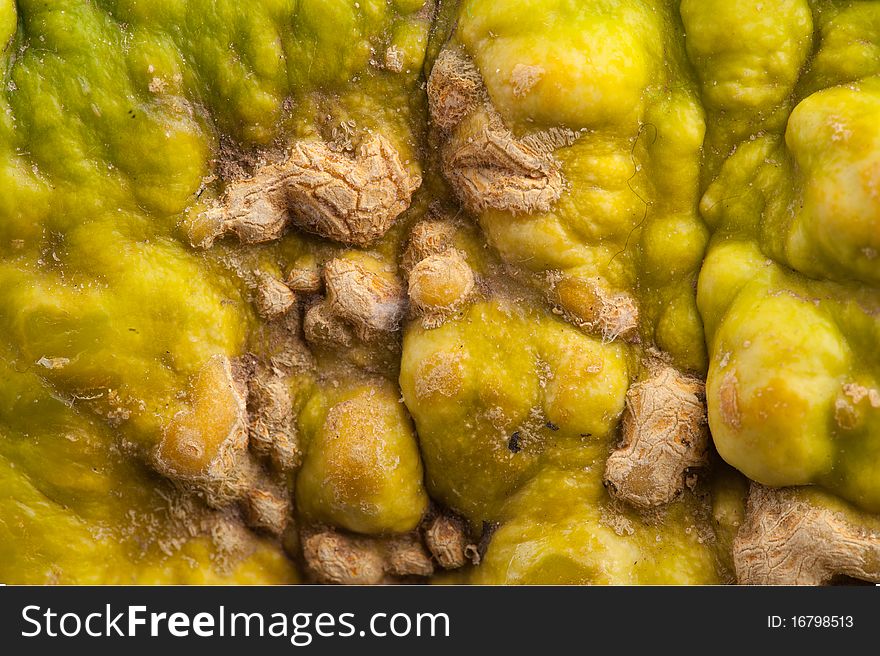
pixel 513 443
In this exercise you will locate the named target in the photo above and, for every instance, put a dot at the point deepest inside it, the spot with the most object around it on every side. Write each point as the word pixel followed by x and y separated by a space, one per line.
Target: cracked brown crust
pixel 332 556
pixel 368 301
pixel 447 539
pixel 273 298
pixel 350 199
pixel 359 303
pixel 305 279
pixel 354 201
pixel 665 436
pixel 407 556
pixel 486 165
pixel 789 539
pixel 272 429
pixel 490 169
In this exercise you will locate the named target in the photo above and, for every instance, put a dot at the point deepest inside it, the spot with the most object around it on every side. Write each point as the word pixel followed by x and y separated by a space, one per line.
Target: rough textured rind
pixel 205 449
pixel 350 199
pixel 122 123
pixel 578 138
pixel 562 528
pixel 665 436
pixel 788 290
pixel 497 389
pixel 575 138
pixel 791 537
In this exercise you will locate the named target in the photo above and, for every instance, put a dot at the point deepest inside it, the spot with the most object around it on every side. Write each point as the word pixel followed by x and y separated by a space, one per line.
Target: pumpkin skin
pixel 301 270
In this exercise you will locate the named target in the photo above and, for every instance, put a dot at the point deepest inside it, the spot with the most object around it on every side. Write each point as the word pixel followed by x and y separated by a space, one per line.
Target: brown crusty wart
pixel 665 435
pixel 487 166
pixel 405 556
pixel 447 539
pixel 273 298
pixel 305 278
pixel 352 199
pixel 333 556
pixel 359 302
pixel 272 429
pixel 429 237
pixel 799 536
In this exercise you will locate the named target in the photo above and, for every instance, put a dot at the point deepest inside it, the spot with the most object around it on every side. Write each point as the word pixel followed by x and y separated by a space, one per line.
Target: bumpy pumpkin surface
pixel 547 291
